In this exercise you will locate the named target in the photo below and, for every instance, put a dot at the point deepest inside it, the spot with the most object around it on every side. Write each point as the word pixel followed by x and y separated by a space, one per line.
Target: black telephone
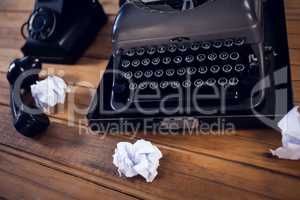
pixel 58 31
pixel 172 57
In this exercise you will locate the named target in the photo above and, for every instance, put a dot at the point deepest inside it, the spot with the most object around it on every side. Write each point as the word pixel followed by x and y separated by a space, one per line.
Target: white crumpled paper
pixel 49 92
pixel 290 130
pixel 139 158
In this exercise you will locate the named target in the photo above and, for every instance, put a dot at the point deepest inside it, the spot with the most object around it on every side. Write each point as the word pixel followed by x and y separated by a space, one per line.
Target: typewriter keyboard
pixel 201 66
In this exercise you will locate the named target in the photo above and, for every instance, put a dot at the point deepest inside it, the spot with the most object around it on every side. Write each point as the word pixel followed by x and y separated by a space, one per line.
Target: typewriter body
pixel 192 60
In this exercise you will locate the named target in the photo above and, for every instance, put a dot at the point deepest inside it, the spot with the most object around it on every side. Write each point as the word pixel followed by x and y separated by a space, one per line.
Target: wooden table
pixel 62 164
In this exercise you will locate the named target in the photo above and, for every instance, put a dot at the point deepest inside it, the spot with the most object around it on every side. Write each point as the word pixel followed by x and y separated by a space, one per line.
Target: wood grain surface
pixel 64 164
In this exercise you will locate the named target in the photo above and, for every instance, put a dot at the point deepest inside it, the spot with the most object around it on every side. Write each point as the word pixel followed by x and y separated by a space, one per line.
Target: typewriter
pixel 194 60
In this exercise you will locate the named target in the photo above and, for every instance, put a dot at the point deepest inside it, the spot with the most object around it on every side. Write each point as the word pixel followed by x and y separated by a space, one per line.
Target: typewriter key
pixel 239 42
pixel 161 49
pixel 130 52
pixel 151 50
pixel 239 67
pixel 212 57
pixel 148 74
pixel 170 72
pixel 189 58
pixel 172 48
pixel 143 85
pixel 125 63
pixel 201 57
pixel 202 69
pixel 199 83
pixel 206 45
pixel 217 44
pixel 228 43
pixel 138 74
pixel 233 81
pixel 153 85
pixel 132 86
pixel 211 82
pixel 186 83
pixel 227 68
pixel 177 59
pixel 215 69
pixel 163 84
pixel 182 48
pixel 234 56
pixel 191 70
pixel 140 51
pixel 181 71
pixel 128 75
pixel 195 46
pixel 167 60
pixel 159 73
pixel 175 84
pixel 146 62
pixel 224 56
pixel 222 81
pixel 156 61
pixel 135 63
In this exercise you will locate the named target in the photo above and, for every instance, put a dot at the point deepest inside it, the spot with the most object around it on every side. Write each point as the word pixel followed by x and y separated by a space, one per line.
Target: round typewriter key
pixel 234 56
pixel 143 85
pixel 222 81
pixel 239 42
pixel 198 83
pixel 215 69
pixel 161 49
pixel 202 69
pixel 201 57
pixel 227 68
pixel 138 74
pixel 189 58
pixel 181 71
pixel 146 61
pixel 148 73
pixel 128 75
pixel 151 50
pixel 153 85
pixel 135 63
pixel 224 56
pixel 132 86
pixel 228 43
pixel 186 83
pixel 175 84
pixel 206 45
pixel 182 48
pixel 195 46
pixel 140 51
pixel 239 68
pixel 217 44
pixel 172 48
pixel 159 73
pixel 211 82
pixel 212 57
pixel 233 81
pixel 167 60
pixel 130 52
pixel 177 59
pixel 170 72
pixel 156 61
pixel 163 84
pixel 125 63
pixel 191 70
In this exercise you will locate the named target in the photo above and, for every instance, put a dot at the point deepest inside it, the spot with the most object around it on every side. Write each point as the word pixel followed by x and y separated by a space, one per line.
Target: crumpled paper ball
pixel 49 92
pixel 141 158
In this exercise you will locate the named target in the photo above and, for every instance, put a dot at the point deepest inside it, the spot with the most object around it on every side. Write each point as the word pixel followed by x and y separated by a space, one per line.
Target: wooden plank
pixel 18 180
pixel 110 7
pixel 201 176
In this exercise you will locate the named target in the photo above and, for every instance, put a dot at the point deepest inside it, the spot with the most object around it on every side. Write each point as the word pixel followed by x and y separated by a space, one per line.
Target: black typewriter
pixel 193 59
